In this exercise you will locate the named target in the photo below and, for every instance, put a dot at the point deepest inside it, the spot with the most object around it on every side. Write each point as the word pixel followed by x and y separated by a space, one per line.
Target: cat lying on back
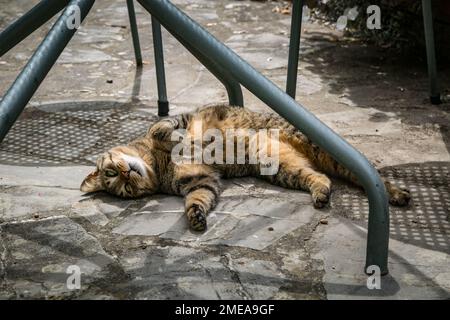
pixel 145 166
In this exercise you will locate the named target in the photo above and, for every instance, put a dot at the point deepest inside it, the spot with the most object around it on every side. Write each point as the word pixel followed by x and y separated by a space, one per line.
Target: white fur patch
pixel 136 164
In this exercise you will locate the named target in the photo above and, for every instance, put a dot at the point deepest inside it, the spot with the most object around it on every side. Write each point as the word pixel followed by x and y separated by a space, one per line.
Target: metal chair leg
pixel 294 47
pixel 29 22
pixel 134 32
pixel 26 84
pixel 163 104
pixel 435 96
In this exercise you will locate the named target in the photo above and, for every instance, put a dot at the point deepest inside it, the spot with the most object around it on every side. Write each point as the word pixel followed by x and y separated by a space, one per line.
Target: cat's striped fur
pixel 145 166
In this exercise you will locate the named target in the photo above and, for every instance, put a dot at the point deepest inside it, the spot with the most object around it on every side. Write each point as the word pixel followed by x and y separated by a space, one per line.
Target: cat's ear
pixel 92 182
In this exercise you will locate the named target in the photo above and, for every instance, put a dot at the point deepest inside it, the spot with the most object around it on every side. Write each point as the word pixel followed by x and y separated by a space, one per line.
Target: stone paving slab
pixel 410 267
pixel 37 254
pixel 236 221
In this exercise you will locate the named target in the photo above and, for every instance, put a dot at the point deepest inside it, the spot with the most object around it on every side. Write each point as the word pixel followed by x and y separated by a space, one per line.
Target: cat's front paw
pixel 161 130
pixel 321 196
pixel 197 219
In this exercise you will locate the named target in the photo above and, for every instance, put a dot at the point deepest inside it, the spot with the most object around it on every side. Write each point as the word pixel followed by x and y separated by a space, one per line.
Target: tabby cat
pixel 145 166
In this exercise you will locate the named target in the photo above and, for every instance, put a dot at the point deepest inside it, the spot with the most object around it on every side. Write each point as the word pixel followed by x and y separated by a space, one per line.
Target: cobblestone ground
pixel 263 241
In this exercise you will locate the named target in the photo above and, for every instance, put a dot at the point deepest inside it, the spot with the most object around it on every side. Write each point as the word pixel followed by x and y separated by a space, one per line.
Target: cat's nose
pixel 126 174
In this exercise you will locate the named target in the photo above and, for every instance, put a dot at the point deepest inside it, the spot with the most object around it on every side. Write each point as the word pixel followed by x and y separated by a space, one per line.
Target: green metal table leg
pixel 26 84
pixel 134 33
pixel 163 104
pixel 29 22
pixel 435 96
pixel 294 47
pixel 176 22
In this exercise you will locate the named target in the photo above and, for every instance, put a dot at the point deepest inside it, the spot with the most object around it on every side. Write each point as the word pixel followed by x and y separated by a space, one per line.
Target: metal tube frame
pixel 178 23
pixel 163 104
pixel 435 96
pixel 26 84
pixel 29 22
pixel 294 47
pixel 134 33
pixel 204 46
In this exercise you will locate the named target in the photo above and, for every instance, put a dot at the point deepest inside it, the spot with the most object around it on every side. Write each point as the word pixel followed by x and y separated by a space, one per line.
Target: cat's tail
pixel 326 163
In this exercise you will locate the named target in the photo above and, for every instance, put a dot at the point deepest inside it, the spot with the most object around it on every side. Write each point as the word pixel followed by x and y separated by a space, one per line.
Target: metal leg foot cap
pixel 163 108
pixel 435 99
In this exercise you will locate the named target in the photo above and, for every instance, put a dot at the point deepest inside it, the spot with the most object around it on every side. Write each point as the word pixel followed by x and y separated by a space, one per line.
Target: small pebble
pixel 270 229
pixel 36 215
pixel 109 81
pixel 323 221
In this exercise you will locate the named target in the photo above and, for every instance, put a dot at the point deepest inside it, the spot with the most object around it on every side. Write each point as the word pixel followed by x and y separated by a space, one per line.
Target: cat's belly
pixel 237 170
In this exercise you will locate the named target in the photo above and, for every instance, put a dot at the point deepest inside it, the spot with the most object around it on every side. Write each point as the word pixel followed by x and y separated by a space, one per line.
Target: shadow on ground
pixel 157 271
pixel 371 77
pixel 426 221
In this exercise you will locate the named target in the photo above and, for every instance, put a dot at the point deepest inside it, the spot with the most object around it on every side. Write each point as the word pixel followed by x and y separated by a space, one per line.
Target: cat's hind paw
pixel 197 219
pixel 399 197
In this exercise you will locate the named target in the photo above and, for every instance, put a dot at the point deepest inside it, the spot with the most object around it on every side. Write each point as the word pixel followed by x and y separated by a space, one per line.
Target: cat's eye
pixel 110 173
pixel 128 188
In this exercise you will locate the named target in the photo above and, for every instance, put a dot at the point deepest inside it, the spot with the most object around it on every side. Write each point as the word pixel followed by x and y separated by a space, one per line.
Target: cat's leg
pixel 397 196
pixel 200 186
pixel 163 129
pixel 296 172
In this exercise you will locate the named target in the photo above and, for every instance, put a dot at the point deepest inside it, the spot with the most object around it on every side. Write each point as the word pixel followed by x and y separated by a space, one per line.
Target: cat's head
pixel 122 172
